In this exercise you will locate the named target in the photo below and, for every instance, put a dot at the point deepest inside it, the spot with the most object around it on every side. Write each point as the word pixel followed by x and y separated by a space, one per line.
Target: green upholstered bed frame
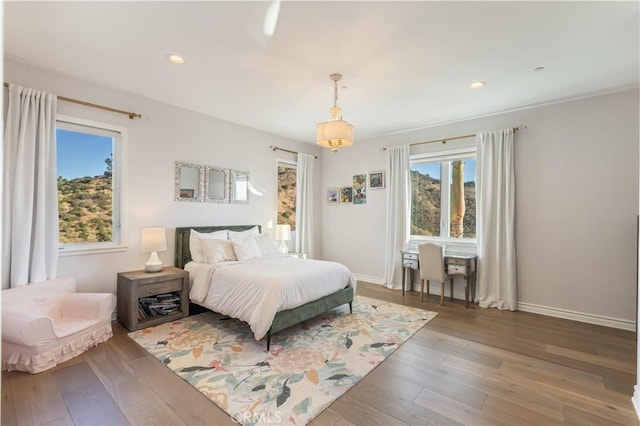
pixel 283 319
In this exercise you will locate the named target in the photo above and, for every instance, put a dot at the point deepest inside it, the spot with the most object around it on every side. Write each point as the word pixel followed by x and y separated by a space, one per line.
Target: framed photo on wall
pixel 360 189
pixel 376 180
pixel 333 196
pixel 346 195
pixel 186 193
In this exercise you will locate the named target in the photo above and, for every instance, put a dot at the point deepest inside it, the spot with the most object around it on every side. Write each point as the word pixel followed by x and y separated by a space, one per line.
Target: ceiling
pixel 406 65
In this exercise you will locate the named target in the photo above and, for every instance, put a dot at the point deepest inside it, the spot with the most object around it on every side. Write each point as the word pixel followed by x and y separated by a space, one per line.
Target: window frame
pixel 118 178
pixel 445 182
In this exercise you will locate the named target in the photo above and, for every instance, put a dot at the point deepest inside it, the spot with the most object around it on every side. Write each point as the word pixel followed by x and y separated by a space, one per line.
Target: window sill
pixel 82 251
pixel 468 245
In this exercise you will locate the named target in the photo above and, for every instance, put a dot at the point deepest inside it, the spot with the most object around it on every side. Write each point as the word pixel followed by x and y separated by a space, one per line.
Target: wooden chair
pixel 431 257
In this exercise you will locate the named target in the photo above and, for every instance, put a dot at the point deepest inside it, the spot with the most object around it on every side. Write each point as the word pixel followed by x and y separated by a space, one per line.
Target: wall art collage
pixel 357 192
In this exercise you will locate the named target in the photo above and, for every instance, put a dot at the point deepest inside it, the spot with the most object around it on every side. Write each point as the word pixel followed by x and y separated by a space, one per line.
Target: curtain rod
pixel 445 140
pixel 274 148
pixel 131 115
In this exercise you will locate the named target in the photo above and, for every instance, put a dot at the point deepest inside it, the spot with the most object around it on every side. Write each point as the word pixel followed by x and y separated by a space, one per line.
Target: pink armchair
pixel 47 323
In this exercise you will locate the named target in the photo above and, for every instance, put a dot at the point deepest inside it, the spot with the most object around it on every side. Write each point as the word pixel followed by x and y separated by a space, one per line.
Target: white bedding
pixel 254 290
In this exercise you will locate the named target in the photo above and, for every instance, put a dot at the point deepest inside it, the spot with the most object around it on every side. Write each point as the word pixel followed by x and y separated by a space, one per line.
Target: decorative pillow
pixel 246 247
pixel 266 244
pixel 195 246
pixel 250 231
pixel 216 251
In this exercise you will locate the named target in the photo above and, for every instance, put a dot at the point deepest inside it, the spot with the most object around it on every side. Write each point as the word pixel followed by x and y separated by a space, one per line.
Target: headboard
pixel 183 255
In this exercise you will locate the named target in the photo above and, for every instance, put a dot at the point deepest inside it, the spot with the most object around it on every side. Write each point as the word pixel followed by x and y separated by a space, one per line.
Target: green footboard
pixel 285 319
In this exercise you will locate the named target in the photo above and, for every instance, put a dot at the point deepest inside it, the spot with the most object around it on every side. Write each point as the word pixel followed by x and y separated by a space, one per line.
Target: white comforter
pixel 254 290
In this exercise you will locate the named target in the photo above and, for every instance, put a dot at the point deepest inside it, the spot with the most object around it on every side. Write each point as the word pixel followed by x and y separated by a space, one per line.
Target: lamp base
pixel 153 264
pixel 283 248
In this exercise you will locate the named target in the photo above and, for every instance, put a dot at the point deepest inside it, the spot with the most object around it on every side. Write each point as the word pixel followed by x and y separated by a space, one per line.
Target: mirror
pixel 239 187
pixel 217 185
pixel 189 182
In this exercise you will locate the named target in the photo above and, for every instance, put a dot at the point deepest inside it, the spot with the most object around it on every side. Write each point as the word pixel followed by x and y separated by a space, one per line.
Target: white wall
pixel 170 134
pixel 576 208
pixel 636 388
pixel 576 204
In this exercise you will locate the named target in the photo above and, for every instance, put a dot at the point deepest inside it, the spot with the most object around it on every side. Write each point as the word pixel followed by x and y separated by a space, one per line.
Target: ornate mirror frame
pixel 209 184
pixel 239 187
pixel 189 187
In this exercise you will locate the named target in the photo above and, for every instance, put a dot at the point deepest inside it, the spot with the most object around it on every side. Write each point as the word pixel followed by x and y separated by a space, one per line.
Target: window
pixel 287 176
pixel 89 161
pixel 443 195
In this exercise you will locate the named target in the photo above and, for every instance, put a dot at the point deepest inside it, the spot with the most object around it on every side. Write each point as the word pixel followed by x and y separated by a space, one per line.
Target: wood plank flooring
pixel 467 366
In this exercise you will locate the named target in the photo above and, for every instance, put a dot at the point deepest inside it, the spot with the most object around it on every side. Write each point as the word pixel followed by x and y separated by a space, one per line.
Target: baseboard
pixel 434 289
pixel 458 293
pixel 636 400
pixel 578 316
pixel 369 279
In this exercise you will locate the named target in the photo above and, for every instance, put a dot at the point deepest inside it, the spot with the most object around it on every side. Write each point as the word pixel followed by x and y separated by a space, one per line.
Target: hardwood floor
pixel 474 367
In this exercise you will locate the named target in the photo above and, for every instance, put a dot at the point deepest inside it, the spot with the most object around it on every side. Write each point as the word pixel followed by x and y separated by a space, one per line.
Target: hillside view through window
pixel 85 187
pixel 443 213
pixel 287 175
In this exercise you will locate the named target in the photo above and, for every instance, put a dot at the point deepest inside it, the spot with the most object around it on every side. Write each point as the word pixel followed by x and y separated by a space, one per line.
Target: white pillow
pixel 266 244
pixel 195 246
pixel 250 231
pixel 216 251
pixel 246 247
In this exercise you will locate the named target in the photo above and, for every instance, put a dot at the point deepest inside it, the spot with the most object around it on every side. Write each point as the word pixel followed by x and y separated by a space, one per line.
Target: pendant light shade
pixel 335 133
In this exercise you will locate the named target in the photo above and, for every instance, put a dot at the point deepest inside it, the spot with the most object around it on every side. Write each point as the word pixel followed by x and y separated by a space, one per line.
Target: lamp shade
pixel 283 233
pixel 334 134
pixel 154 239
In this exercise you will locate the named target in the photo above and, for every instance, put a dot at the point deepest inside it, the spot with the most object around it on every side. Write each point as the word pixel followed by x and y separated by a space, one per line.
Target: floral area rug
pixel 308 367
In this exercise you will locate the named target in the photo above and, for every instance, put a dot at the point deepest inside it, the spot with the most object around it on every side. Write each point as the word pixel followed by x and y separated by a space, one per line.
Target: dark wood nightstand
pixel 134 285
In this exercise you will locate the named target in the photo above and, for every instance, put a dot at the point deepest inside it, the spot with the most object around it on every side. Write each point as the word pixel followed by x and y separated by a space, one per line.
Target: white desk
pixel 455 264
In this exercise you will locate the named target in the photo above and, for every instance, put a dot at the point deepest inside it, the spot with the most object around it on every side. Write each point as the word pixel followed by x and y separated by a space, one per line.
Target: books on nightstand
pixel 160 304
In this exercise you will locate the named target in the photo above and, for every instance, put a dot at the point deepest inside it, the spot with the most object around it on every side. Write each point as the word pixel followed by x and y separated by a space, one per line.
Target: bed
pixel 340 292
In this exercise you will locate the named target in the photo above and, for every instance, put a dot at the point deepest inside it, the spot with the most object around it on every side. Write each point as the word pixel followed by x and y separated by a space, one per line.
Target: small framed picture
pixel 333 196
pixel 376 180
pixel 360 189
pixel 346 195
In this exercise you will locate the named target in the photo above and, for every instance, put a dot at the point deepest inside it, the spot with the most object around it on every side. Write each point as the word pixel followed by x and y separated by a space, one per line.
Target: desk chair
pixel 432 267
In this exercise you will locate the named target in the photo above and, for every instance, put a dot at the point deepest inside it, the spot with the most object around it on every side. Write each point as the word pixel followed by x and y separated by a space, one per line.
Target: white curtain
pixel 304 204
pixel 495 194
pixel 29 189
pixel 398 199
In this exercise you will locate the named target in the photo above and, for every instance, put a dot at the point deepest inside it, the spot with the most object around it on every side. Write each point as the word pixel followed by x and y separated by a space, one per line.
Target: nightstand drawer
pixel 408 263
pixel 456 261
pixel 457 269
pixel 160 287
pixel 410 256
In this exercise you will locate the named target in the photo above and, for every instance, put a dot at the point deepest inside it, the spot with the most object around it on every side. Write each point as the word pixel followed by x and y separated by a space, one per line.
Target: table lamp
pixel 153 241
pixel 283 233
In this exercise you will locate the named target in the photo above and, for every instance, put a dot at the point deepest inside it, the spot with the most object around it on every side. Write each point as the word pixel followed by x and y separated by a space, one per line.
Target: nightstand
pixel 300 255
pixel 171 283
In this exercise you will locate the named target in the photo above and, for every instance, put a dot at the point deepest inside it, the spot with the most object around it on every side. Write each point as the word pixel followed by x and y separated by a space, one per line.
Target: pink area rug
pixel 308 367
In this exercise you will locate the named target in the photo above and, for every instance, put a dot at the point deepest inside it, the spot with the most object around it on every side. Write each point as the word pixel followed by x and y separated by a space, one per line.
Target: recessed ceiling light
pixel 176 59
pixel 477 84
pixel 538 69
